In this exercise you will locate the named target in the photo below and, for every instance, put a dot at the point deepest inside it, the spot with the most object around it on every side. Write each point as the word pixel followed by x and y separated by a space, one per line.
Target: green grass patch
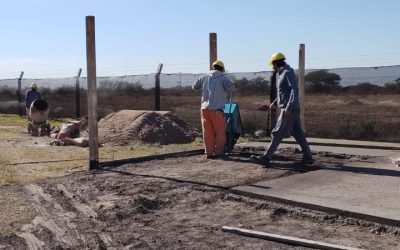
pixel 15 120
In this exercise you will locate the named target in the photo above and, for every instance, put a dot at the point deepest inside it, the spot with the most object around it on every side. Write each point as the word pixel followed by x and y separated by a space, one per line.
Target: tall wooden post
pixel 92 93
pixel 302 64
pixel 19 93
pixel 213 48
pixel 157 87
pixel 78 94
pixel 272 97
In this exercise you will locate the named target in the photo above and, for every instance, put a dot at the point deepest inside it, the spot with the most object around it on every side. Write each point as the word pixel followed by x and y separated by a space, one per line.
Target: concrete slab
pixel 361 190
pixel 320 148
pixel 352 143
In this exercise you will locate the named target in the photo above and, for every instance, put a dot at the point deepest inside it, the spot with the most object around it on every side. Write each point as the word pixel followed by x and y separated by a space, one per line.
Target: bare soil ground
pixel 172 203
pixel 49 201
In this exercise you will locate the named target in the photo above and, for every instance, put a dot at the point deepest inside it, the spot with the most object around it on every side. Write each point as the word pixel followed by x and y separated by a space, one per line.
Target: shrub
pixel 393 87
pixel 257 86
pixel 322 81
pixel 364 88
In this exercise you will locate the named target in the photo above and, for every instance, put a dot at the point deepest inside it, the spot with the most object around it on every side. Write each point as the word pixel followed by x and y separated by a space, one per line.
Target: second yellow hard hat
pixel 276 57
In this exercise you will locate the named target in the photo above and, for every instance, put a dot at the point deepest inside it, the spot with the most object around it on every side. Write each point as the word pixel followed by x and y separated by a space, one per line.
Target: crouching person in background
pixel 31 95
pixel 215 87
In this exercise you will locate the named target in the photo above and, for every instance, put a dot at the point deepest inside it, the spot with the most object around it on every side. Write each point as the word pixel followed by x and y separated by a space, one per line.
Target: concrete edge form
pixel 285 239
pixel 117 163
pixel 345 213
pixel 327 144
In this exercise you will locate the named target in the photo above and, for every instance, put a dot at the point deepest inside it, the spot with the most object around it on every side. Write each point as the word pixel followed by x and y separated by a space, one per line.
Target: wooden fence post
pixel 78 94
pixel 302 63
pixel 157 89
pixel 19 93
pixel 92 92
pixel 213 48
pixel 272 97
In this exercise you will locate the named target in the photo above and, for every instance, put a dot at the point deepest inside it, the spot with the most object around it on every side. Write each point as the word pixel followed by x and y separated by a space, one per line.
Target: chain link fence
pixel 349 103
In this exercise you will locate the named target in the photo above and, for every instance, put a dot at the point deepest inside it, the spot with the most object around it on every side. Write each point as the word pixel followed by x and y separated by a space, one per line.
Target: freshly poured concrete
pixel 337 149
pixel 362 190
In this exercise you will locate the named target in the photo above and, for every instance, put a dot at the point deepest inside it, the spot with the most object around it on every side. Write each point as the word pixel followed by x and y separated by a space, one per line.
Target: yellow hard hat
pixel 276 57
pixel 34 85
pixel 219 63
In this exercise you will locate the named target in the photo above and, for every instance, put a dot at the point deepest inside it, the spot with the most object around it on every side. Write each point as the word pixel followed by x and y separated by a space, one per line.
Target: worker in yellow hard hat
pixel 215 87
pixel 289 118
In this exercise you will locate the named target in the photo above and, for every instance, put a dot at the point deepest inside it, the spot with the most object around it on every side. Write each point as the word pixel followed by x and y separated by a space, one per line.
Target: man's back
pixel 214 85
pixel 31 96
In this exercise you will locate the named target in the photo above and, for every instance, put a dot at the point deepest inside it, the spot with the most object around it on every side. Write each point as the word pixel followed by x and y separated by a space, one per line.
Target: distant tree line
pixel 322 81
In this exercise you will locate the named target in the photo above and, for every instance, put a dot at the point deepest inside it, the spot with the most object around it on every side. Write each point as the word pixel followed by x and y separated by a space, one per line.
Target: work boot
pixel 210 157
pixel 261 159
pixel 220 154
pixel 307 160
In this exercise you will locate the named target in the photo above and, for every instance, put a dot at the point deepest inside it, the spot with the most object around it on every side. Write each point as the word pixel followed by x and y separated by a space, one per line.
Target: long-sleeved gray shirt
pixel 215 86
pixel 288 89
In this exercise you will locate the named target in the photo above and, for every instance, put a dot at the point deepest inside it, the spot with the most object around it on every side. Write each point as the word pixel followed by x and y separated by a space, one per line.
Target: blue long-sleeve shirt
pixel 215 87
pixel 31 96
pixel 288 89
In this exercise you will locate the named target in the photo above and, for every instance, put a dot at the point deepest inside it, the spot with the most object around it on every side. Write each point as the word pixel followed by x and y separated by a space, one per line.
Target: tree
pixel 322 80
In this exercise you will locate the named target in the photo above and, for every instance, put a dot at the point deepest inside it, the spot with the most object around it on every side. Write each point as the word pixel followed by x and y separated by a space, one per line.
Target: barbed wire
pixel 327 62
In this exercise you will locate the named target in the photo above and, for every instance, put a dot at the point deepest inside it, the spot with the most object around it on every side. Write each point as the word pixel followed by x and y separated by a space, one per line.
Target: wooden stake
pixel 92 92
pixel 213 48
pixel 157 87
pixel 302 63
pixel 78 94
pixel 19 93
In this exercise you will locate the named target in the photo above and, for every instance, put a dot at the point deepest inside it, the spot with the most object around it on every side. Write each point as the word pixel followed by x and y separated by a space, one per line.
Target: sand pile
pixel 127 126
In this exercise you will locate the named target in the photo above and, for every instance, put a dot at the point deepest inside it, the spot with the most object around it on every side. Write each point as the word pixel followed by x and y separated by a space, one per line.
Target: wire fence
pixel 363 104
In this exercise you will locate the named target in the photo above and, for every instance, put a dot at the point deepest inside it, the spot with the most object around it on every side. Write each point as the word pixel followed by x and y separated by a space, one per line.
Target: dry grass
pixel 25 159
pixel 370 117
pixel 363 117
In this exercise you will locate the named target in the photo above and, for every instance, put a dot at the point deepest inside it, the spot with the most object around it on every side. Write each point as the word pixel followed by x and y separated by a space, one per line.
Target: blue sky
pixel 46 38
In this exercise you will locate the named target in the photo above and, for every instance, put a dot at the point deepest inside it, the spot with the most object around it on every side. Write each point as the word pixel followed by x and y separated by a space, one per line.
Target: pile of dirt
pixel 128 126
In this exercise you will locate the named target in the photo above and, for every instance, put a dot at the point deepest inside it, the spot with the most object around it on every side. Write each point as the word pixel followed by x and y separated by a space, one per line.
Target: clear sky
pixel 46 38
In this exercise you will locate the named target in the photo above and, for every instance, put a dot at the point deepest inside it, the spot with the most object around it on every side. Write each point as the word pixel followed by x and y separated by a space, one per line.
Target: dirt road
pixel 169 204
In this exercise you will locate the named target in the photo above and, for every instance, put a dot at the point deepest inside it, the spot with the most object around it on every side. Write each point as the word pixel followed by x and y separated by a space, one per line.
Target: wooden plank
pixel 78 94
pixel 286 239
pixel 157 89
pixel 92 93
pixel 302 64
pixel 19 93
pixel 213 48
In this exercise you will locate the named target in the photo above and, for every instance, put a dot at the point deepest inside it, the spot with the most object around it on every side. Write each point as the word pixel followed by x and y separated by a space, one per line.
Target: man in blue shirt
pixel 32 95
pixel 289 118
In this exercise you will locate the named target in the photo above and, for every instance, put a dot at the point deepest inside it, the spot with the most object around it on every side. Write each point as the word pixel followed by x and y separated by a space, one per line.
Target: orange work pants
pixel 213 124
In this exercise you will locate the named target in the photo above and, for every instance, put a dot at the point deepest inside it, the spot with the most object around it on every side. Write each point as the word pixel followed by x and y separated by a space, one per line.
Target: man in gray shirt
pixel 289 118
pixel 215 87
